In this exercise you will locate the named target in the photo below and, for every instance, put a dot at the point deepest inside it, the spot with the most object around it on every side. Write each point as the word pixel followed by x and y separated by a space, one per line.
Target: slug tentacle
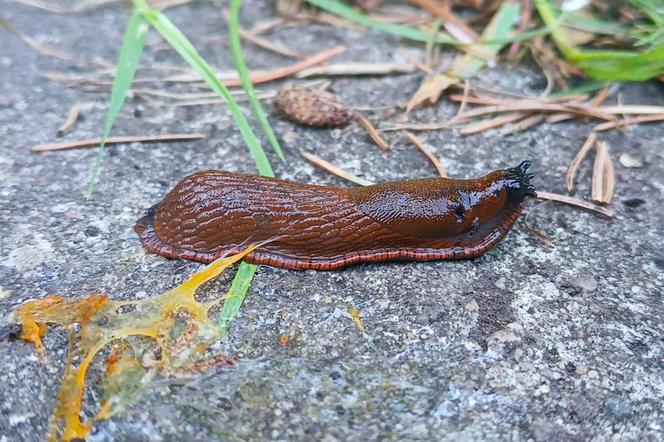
pixel 212 213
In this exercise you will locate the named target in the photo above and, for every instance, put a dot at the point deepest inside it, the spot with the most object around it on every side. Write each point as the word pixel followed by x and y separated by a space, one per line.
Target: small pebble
pixel 630 161
pixel 585 282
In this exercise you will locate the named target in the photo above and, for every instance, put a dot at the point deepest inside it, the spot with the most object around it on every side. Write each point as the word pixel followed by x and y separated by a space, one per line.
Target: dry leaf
pixel 431 89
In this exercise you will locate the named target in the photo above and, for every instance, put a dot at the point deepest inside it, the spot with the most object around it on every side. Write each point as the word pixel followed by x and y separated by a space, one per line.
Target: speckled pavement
pixel 528 342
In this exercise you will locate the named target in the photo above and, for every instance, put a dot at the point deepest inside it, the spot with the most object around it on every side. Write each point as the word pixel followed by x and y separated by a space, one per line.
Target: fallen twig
pixel 425 150
pixel 93 142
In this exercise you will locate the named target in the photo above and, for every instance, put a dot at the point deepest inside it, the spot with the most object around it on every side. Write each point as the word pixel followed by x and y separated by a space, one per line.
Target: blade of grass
pixel 243 72
pixel 130 54
pixel 606 64
pixel 236 295
pixel 245 273
pixel 182 46
pixel 499 28
pixel 354 15
pixel 411 33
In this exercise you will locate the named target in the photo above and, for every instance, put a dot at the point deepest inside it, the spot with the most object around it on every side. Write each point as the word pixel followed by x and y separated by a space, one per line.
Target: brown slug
pixel 213 213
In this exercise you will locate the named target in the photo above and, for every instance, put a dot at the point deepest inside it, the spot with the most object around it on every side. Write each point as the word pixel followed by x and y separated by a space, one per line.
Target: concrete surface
pixel 525 343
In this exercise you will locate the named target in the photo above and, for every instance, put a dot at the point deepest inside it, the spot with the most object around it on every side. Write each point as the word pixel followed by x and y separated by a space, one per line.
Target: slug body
pixel 213 213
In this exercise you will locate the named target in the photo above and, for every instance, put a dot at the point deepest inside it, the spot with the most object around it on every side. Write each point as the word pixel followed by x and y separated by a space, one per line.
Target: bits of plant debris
pixel 311 107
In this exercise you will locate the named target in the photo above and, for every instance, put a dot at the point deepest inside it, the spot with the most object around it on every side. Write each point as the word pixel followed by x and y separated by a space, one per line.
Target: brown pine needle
pixel 464 97
pixel 578 159
pixel 356 68
pixel 335 170
pixel 524 124
pixel 269 45
pixel 438 9
pixel 632 109
pixel 610 180
pixel 93 142
pixel 80 6
pixel 292 69
pixel 372 132
pixel 598 173
pixel 264 43
pixel 427 153
pixel 48 50
pixel 574 108
pixel 601 96
pixel 491 123
pixel 228 78
pixel 410 58
pixel 476 98
pixel 575 202
pixel 535 233
pixel 391 126
pixel 603 176
pixel 559 116
pixel 629 122
pixel 71 120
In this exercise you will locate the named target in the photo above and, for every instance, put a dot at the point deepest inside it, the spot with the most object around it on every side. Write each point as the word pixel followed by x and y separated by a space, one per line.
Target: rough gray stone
pixel 511 345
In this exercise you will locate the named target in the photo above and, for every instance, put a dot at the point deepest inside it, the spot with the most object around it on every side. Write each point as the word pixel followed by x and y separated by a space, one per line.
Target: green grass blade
pixel 341 9
pixel 128 59
pixel 654 9
pixel 182 46
pixel 498 30
pixel 639 66
pixel 236 295
pixel 548 15
pixel 352 14
pixel 581 89
pixel 241 66
pixel 604 64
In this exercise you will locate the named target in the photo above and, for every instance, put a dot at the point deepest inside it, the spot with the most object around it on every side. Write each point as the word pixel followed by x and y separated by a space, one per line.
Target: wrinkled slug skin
pixel 213 213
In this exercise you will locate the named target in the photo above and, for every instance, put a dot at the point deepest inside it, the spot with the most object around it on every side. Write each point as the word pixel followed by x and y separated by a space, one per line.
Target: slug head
pixel 436 207
pixel 487 200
